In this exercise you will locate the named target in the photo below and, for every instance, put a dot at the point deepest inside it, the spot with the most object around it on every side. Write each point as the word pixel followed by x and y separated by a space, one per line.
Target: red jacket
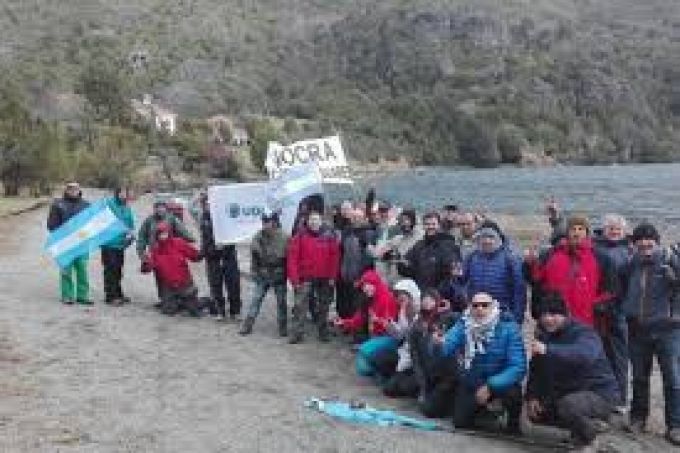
pixel 313 256
pixel 169 259
pixel 577 276
pixel 383 306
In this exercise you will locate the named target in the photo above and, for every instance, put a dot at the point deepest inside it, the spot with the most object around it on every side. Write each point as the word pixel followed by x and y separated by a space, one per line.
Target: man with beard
pixel 61 211
pixel 429 261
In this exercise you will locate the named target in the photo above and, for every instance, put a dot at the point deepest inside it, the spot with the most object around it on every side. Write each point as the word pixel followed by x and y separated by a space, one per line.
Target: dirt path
pixel 130 380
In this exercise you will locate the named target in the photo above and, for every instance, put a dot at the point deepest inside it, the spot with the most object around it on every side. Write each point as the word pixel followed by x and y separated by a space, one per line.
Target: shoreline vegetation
pixel 98 96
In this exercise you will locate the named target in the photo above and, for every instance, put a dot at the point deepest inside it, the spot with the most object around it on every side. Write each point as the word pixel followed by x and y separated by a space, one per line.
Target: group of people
pixel 437 307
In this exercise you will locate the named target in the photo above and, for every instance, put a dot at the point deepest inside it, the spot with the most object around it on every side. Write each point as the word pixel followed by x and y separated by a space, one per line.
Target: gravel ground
pixel 106 379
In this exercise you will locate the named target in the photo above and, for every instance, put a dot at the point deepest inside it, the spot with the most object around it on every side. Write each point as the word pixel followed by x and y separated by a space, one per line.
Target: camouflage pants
pixel 322 291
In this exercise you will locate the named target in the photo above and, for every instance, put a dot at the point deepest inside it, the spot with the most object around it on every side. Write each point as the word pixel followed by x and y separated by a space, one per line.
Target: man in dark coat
pixel 429 261
pixel 571 383
pixel 61 211
pixel 651 305
pixel 221 267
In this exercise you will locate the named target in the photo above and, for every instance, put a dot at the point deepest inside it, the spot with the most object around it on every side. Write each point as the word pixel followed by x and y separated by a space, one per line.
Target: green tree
pixel 261 132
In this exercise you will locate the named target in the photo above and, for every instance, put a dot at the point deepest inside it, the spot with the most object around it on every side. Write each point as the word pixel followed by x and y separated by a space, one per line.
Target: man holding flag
pixel 61 211
pixel 76 228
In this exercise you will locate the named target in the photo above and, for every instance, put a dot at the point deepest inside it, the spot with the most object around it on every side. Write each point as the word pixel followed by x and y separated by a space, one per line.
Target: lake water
pixel 636 191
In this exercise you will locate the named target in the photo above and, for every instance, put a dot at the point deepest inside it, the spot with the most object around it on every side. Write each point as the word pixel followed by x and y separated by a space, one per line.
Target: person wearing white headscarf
pixel 492 361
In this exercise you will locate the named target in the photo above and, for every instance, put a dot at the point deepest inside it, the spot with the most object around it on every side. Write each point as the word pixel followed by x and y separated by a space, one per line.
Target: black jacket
pixel 575 361
pixel 63 209
pixel 429 261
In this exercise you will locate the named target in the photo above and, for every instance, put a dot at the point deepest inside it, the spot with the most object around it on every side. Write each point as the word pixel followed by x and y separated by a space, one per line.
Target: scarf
pixel 478 333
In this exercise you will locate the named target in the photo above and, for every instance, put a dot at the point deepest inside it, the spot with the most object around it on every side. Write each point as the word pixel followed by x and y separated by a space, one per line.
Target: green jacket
pixel 124 214
pixel 147 232
pixel 268 256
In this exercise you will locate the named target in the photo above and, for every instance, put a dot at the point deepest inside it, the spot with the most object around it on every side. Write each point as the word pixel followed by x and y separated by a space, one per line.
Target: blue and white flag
pixel 86 231
pixel 286 191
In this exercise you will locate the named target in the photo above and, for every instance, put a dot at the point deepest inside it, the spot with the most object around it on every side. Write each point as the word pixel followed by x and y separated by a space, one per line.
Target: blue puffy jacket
pixel 500 275
pixel 502 365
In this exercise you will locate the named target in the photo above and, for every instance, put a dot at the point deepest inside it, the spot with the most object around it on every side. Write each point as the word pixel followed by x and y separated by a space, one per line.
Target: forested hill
pixel 476 81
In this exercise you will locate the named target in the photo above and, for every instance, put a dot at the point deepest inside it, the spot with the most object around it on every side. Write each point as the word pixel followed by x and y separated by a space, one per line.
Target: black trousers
pixel 436 377
pixel 576 412
pixel 222 271
pixel 347 296
pixel 465 407
pixel 112 262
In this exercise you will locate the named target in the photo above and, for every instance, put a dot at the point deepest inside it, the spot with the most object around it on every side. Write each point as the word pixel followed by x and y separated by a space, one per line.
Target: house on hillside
pixel 238 135
pixel 161 117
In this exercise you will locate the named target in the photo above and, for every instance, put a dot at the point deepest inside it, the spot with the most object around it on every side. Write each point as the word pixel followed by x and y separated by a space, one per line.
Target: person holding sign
pixel 312 265
pixel 61 211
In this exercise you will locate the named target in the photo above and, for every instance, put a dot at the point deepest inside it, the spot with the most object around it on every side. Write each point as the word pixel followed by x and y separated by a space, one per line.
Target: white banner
pixel 326 153
pixel 286 191
pixel 236 211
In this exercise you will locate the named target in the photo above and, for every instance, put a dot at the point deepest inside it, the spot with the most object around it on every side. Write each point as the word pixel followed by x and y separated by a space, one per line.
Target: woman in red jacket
pixel 377 357
pixel 168 258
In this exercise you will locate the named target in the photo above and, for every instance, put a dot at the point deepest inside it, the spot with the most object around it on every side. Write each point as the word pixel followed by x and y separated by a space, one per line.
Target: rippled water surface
pixel 636 191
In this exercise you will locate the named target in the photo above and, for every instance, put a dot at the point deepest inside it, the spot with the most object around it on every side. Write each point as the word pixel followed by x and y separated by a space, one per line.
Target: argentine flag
pixel 86 231
pixel 285 192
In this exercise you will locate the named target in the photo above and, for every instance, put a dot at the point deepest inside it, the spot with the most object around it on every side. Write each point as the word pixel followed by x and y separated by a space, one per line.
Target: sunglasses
pixel 480 305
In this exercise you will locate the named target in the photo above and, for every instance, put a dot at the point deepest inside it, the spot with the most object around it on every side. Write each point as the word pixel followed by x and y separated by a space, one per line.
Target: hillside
pixel 440 82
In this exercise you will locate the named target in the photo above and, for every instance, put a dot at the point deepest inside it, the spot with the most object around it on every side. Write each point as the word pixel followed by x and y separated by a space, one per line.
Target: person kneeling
pixel 168 258
pixel 571 383
pixel 493 362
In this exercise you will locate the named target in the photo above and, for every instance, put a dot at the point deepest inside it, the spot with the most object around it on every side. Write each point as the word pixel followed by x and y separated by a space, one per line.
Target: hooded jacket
pixel 583 278
pixel 381 306
pixel 63 209
pixel 169 259
pixel 402 327
pixel 574 361
pixel 429 260
pixel 313 256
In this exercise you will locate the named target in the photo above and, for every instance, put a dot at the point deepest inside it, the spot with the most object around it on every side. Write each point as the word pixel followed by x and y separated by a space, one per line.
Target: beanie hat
pixel 646 231
pixel 578 219
pixel 409 287
pixel 552 303
pixel 489 228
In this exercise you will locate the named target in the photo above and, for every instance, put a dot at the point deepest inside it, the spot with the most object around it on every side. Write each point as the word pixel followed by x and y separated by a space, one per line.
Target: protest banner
pixel 326 153
pixel 236 211
pixel 287 190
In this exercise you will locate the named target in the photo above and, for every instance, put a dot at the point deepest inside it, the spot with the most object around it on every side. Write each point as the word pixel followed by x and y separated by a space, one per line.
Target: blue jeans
pixel 260 291
pixel 643 345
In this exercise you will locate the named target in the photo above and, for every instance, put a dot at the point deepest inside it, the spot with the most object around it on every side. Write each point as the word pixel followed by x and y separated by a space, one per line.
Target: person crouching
pixel 493 362
pixel 168 258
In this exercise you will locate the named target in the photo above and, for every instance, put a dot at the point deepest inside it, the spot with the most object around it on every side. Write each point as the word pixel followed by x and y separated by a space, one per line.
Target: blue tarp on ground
pixel 367 415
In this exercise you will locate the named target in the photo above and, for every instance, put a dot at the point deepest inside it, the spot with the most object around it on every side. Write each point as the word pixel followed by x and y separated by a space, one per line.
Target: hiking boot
pixel 84 302
pixel 247 326
pixel 67 301
pixel 115 302
pixel 126 300
pixel 158 305
pixel 296 338
pixel 673 436
pixel 235 318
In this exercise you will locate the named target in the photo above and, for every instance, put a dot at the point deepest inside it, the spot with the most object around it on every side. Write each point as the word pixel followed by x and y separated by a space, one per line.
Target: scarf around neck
pixel 478 333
